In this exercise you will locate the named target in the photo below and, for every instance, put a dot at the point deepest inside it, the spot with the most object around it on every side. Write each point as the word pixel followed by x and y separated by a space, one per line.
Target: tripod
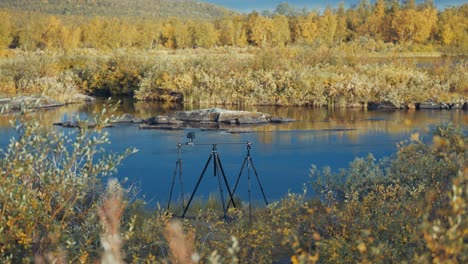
pixel 218 171
pixel 249 162
pixel 178 168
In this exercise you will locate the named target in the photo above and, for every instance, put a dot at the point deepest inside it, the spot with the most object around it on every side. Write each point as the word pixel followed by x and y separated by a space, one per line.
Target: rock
pixel 83 98
pixel 221 116
pixel 128 118
pixel 202 115
pixel 84 124
pixel 240 131
pixel 159 120
pixel 428 105
pixel 242 117
pixel 381 106
pixel 456 106
pixel 4 100
pixel 30 102
pixel 210 119
pixel 161 95
pixel 411 106
pixel 276 119
pixel 161 127
pixel 445 106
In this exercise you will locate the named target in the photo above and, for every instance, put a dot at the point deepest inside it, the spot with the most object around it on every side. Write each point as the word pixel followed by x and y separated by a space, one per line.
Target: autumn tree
pixel 182 33
pixel 176 34
pixel 286 9
pixel 304 29
pixel 353 22
pixel 363 12
pixel 341 27
pixel 453 25
pixel 90 33
pixel 168 36
pixel 232 31
pixel 413 25
pixel 376 23
pixel 5 30
pixel 205 35
pixel 410 4
pixel 128 33
pixel 280 31
pixel 227 31
pixel 148 34
pixel 259 29
pixel 28 30
pixel 111 34
pixel 327 26
pixel 426 24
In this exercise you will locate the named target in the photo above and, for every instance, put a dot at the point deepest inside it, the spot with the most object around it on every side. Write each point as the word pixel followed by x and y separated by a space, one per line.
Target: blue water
pixel 282 165
pixel 282 154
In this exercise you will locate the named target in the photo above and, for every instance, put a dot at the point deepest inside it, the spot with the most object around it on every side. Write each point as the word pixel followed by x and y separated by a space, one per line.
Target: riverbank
pixel 291 76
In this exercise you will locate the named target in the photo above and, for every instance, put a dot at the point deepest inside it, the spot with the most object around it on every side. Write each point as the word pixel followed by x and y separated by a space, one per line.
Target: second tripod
pixel 248 161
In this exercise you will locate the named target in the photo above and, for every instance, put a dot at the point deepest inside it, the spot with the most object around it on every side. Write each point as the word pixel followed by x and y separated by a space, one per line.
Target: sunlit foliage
pixel 273 76
pixel 51 186
pixel 408 25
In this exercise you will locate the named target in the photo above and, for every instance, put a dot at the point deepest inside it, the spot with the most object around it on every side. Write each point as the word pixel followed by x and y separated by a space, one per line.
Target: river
pixel 282 154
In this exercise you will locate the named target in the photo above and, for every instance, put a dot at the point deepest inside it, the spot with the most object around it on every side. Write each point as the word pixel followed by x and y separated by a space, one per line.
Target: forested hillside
pixel 119 8
pixel 377 27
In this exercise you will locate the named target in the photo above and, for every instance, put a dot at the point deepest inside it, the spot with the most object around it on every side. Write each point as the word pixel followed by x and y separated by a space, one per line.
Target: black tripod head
pixel 191 137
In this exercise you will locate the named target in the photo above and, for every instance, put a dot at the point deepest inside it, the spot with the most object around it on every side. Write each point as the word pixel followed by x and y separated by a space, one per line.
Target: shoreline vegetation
pixel 285 76
pixel 401 55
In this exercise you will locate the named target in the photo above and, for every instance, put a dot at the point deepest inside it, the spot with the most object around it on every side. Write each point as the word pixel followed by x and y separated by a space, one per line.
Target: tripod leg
pixel 181 183
pixel 216 165
pixel 258 180
pixel 196 186
pixel 237 182
pixel 250 198
pixel 172 185
pixel 226 182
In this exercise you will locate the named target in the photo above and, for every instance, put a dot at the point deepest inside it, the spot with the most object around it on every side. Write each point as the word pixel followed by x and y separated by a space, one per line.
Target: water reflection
pixel 282 153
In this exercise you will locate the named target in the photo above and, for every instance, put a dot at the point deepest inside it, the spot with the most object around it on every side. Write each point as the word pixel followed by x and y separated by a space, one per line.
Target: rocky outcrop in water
pixel 205 119
pixel 436 106
pixel 212 119
pixel 381 106
pixel 39 102
pixel 127 119
pixel 78 124
pixel 163 122
pixel 28 102
pixel 428 105
pixel 218 115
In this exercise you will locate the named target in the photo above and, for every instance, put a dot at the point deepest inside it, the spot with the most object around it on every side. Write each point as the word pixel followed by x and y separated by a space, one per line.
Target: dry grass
pixel 181 246
pixel 110 214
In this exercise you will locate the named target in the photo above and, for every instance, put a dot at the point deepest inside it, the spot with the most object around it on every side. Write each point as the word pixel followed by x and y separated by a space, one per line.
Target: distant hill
pixel 120 8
